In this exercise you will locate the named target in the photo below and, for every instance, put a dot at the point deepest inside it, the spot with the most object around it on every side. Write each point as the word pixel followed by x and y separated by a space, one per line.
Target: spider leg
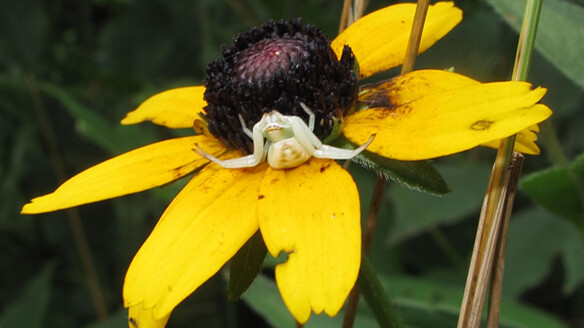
pixel 259 154
pixel 235 163
pixel 260 150
pixel 304 135
pixel 326 151
pixel 311 116
pixel 244 127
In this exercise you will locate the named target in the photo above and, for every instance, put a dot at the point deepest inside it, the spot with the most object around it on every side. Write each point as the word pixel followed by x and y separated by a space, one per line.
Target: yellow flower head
pixel 261 118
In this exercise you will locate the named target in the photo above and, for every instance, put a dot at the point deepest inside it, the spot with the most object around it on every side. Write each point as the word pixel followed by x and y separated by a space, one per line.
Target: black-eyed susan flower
pixel 280 91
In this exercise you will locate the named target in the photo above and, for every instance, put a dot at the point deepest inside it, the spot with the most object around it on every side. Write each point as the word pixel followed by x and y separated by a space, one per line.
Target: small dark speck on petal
pixel 481 125
pixel 176 173
pixel 324 167
pixel 261 196
pixel 133 322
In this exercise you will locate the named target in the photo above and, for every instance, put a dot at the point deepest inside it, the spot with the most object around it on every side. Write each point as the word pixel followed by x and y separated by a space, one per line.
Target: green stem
pixel 371 289
pixel 498 197
pixel 520 71
pixel 375 296
pixel 383 308
pixel 526 40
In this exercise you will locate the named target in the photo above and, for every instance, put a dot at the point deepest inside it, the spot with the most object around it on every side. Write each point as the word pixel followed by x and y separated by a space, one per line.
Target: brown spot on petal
pixel 380 113
pixel 133 322
pixel 261 196
pixel 324 167
pixel 481 125
pixel 403 110
pixel 376 95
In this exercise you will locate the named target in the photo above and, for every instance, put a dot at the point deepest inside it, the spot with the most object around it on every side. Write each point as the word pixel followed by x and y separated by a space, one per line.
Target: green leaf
pixel 419 302
pixel 375 296
pixel 263 297
pixel 560 33
pixel 246 265
pixel 418 175
pixel 536 239
pixel 113 138
pixel 29 309
pixel 560 190
pixel 425 303
pixel 468 180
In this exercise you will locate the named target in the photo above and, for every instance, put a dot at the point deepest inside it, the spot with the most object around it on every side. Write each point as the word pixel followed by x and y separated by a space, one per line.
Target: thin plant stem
pixel 415 36
pixel 351 13
pixel 345 16
pixel 368 233
pixel 375 297
pixel 487 237
pixel 526 40
pixel 499 264
pixel 380 183
pixel 73 217
pixel 351 310
pixel 359 8
pixel 498 199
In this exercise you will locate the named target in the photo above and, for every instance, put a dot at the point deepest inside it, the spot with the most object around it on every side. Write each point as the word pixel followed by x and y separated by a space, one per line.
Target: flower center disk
pixel 264 59
pixel 277 67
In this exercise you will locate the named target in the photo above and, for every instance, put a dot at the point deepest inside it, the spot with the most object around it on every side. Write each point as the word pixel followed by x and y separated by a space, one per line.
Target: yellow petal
pixel 140 169
pixel 448 122
pixel 411 86
pixel 524 141
pixel 204 226
pixel 417 84
pixel 175 108
pixel 312 213
pixel 379 40
pixel 139 317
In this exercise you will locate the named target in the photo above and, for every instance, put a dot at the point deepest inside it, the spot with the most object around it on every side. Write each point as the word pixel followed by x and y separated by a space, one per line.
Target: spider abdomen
pixel 287 153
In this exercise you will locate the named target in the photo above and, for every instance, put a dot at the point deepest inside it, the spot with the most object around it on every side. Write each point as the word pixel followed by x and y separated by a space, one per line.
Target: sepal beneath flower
pixel 174 108
pixel 379 40
pixel 246 265
pixel 312 213
pixel 137 170
pixel 417 175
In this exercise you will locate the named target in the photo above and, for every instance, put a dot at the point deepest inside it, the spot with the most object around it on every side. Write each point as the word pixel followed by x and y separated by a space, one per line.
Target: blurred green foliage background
pixel 71 69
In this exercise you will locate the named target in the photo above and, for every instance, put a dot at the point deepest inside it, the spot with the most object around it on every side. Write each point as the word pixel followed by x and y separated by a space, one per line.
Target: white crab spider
pixel 289 143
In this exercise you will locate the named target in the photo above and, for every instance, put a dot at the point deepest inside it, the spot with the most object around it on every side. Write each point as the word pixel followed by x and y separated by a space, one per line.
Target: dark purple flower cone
pixel 278 66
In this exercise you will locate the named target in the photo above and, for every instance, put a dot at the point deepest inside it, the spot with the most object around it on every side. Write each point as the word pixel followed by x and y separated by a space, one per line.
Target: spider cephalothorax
pixel 277 67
